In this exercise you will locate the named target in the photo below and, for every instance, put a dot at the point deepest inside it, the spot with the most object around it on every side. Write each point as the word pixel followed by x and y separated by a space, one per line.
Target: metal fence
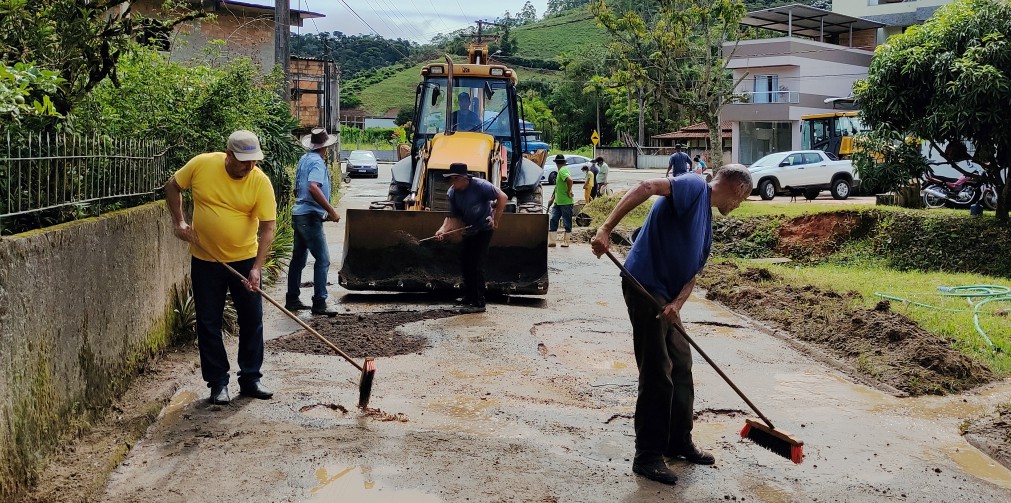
pixel 48 173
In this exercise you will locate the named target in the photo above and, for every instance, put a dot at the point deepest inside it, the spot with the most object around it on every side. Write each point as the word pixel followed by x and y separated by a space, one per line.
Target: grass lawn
pixel 575 30
pixel 918 287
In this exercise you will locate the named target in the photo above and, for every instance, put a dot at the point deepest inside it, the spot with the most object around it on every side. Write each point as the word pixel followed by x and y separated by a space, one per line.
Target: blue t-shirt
pixel 473 204
pixel 675 240
pixel 679 162
pixel 311 168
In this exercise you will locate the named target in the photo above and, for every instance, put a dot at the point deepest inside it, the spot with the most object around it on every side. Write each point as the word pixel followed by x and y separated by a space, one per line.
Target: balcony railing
pixel 764 97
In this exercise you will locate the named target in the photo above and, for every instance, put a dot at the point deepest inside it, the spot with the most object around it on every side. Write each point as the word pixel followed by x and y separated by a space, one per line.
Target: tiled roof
pixel 698 130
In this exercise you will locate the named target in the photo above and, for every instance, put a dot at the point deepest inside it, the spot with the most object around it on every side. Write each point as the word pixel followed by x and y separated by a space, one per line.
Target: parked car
pixel 572 161
pixel 362 163
pixel 806 172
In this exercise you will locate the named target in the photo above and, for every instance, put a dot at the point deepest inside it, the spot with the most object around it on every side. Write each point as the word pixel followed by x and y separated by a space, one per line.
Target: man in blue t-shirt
pixel 470 207
pixel 311 208
pixel 679 162
pixel 670 250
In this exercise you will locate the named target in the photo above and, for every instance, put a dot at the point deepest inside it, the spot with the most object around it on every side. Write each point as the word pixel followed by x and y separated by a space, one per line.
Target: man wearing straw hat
pixel 234 214
pixel 312 207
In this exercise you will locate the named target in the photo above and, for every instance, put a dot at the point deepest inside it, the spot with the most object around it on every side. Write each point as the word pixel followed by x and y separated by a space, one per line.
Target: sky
pixel 416 20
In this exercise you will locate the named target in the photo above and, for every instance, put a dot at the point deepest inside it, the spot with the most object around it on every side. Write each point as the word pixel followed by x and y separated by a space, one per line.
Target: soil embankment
pixel 882 345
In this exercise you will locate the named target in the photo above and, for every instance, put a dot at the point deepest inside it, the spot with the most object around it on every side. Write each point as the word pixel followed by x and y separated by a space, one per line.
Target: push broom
pixel 765 435
pixel 367 368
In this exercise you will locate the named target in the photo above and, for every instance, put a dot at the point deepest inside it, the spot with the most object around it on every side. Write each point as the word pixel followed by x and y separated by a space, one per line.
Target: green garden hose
pixel 988 294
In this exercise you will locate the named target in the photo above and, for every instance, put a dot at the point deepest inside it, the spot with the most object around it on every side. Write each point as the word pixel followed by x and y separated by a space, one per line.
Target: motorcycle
pixel 961 192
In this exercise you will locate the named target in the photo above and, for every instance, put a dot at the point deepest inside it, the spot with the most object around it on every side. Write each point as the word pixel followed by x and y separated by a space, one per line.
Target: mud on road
pixel 371 334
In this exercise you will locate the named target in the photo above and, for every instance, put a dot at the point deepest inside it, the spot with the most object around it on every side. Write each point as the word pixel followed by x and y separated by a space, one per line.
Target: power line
pixel 366 23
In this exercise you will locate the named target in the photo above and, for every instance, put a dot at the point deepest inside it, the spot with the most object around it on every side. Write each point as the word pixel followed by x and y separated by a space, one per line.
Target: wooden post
pixel 282 32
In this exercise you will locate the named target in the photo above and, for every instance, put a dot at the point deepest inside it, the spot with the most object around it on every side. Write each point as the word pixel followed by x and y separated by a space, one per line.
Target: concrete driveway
pixel 533 401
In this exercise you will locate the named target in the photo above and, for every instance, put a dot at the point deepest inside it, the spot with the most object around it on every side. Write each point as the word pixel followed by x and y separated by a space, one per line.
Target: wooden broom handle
pixel 290 314
pixel 681 330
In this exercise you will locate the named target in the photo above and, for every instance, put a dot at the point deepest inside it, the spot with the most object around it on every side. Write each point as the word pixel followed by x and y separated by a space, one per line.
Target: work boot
pixel 691 454
pixel 219 395
pixel 565 239
pixel 295 305
pixel 323 308
pixel 655 470
pixel 551 239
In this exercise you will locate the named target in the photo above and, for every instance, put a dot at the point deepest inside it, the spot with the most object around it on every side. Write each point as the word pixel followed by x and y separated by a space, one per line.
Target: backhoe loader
pixel 467 113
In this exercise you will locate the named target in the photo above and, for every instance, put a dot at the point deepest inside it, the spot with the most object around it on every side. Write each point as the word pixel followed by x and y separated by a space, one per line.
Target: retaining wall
pixel 81 304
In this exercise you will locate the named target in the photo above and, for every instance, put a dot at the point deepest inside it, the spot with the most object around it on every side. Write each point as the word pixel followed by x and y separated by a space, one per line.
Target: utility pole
pixel 282 33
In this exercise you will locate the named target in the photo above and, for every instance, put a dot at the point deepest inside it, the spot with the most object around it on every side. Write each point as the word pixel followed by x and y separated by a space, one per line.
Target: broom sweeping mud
pixel 765 435
pixel 367 368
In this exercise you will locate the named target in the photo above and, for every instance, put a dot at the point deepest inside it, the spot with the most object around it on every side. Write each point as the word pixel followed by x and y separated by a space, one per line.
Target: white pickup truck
pixel 806 172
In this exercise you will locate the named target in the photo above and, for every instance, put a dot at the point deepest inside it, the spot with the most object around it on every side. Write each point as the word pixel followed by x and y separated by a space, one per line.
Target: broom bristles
pixel 365 386
pixel 777 441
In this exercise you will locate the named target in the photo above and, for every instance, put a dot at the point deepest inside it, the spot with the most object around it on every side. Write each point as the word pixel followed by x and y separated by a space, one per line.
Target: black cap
pixel 559 158
pixel 458 169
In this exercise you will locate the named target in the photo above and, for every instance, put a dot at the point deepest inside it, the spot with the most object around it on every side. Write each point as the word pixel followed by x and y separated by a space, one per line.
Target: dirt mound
pixel 820 234
pixel 360 335
pixel 882 345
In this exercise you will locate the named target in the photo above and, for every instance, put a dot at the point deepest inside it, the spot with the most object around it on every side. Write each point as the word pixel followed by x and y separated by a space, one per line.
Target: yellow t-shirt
pixel 226 212
pixel 588 185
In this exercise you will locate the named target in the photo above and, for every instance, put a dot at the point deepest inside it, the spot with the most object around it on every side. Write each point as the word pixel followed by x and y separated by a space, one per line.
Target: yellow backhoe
pixel 466 113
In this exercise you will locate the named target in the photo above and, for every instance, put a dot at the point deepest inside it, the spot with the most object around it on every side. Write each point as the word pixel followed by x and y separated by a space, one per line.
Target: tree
pixel 674 49
pixel 527 14
pixel 949 81
pixel 82 39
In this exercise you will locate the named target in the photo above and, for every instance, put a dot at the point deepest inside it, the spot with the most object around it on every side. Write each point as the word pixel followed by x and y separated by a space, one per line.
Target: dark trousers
pixel 309 238
pixel 664 408
pixel 211 281
pixel 474 255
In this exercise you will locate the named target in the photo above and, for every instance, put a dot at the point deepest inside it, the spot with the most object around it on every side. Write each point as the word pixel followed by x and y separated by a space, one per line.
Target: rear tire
pixel 841 189
pixel 767 190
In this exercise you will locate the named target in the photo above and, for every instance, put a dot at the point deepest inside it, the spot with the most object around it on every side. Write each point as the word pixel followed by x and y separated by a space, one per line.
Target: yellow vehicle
pixel 466 113
pixel 831 132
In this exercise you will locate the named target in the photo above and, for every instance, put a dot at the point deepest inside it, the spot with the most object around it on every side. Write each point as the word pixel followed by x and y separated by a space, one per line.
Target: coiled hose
pixel 977 296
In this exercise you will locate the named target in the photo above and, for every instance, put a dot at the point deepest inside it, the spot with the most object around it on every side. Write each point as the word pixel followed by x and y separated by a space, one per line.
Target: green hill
pixel 562 34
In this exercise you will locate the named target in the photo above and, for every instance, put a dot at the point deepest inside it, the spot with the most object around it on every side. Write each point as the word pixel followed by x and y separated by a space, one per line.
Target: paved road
pixel 532 401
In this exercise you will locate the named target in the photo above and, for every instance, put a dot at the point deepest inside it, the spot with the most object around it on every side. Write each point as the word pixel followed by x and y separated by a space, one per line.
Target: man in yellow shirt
pixel 234 215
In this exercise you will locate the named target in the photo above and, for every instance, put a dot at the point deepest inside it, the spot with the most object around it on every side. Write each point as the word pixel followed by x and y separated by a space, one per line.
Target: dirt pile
pixel 360 335
pixel 992 434
pixel 819 235
pixel 882 345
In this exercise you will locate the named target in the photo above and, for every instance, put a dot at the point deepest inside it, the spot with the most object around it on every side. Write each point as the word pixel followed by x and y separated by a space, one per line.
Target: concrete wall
pixel 80 304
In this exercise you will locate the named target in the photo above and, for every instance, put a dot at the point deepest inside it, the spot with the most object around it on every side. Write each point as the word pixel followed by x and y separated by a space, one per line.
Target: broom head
pixel 365 386
pixel 777 441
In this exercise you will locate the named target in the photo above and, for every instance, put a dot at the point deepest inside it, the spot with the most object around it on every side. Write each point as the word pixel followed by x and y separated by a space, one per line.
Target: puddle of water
pixel 705 433
pixel 463 407
pixel 721 331
pixel 771 494
pixel 178 402
pixel 616 365
pixel 356 483
pixel 979 465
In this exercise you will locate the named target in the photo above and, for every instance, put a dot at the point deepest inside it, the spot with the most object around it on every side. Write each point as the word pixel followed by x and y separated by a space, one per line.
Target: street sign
pixel 595 138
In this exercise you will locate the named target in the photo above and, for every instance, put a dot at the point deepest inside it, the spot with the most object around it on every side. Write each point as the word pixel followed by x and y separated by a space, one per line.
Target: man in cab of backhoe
pixel 465 119
pixel 471 210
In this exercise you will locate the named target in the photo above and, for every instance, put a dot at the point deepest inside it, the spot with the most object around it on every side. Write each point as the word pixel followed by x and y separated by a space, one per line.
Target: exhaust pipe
pixel 934 191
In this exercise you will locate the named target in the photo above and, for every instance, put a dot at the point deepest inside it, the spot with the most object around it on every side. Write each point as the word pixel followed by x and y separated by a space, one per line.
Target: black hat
pixel 458 169
pixel 559 158
pixel 679 146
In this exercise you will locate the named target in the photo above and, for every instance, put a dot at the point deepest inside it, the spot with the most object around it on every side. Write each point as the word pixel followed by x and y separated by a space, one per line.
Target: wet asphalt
pixel 533 401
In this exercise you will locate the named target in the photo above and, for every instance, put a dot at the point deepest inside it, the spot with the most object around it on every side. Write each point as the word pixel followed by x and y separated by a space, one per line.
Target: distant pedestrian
pixel 699 164
pixel 475 205
pixel 595 170
pixel 600 179
pixel 670 251
pixel 678 163
pixel 588 183
pixel 561 202
pixel 234 215
pixel 312 207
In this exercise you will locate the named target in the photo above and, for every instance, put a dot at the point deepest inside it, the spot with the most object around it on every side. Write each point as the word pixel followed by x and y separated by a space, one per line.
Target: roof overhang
pixel 807 21
pixel 297 16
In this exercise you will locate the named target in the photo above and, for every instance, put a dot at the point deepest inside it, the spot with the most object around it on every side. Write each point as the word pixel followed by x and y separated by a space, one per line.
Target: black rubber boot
pixel 323 309
pixel 655 470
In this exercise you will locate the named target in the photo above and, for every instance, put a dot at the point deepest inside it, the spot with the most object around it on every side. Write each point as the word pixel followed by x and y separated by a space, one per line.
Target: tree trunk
pixel 642 117
pixel 1002 200
pixel 715 142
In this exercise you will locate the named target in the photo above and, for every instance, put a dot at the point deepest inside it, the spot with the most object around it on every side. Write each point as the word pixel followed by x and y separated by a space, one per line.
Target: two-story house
pixel 896 15
pixel 820 56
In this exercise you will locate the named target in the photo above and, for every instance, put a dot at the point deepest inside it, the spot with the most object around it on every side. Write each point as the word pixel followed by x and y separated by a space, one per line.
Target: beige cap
pixel 245 146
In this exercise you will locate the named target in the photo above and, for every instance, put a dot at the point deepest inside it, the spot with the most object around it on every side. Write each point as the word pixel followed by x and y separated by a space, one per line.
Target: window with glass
pixel 759 139
pixel 765 88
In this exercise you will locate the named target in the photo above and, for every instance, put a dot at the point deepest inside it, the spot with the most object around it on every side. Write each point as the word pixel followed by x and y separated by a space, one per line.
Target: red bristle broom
pixel 765 435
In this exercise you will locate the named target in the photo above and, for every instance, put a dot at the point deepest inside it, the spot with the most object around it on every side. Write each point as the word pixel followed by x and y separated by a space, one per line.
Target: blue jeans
pixel 211 281
pixel 565 213
pixel 309 238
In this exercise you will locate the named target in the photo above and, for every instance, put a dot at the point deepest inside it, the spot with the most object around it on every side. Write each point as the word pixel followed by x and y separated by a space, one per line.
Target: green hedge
pixel 900 239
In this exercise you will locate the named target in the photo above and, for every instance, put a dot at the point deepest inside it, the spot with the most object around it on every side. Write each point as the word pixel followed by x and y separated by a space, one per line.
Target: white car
pixel 806 172
pixel 573 162
pixel 362 163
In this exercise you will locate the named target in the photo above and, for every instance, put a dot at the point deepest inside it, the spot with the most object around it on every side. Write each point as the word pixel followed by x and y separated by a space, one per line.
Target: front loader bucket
pixel 382 252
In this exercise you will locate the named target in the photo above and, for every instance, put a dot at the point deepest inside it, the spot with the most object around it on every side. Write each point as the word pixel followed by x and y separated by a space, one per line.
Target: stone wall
pixel 81 304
